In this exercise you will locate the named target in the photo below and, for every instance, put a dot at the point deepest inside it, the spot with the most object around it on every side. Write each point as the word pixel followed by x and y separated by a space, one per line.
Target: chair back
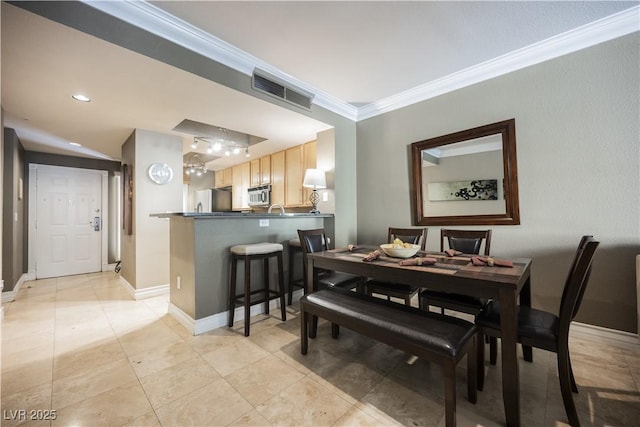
pixel 312 241
pixel 416 236
pixel 577 280
pixel 583 242
pixel 466 241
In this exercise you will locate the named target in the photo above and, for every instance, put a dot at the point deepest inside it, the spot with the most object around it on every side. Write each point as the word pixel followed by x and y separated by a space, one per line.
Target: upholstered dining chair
pixel 545 330
pixel 467 242
pixel 416 236
pixel 316 241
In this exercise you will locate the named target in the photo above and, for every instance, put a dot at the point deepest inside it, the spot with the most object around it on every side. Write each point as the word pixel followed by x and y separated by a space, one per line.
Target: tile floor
pixel 82 347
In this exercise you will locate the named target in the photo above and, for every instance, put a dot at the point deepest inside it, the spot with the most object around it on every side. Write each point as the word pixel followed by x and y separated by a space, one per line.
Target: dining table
pixel 456 274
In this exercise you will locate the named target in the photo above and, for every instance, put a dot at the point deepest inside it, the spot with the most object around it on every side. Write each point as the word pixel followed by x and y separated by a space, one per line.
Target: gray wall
pixel 13 208
pixel 577 131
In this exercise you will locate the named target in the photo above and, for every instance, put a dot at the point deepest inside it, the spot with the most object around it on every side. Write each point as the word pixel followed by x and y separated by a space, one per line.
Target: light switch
pixel 325 196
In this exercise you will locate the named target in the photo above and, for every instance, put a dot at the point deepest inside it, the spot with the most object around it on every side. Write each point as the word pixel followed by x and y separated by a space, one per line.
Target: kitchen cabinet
pixel 224 178
pixel 297 160
pixel 309 160
pixel 293 176
pixel 241 175
pixel 261 171
pixel 278 178
pixel 265 170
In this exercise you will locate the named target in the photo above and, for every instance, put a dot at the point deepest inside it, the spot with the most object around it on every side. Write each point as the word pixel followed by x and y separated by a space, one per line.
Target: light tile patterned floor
pixel 82 347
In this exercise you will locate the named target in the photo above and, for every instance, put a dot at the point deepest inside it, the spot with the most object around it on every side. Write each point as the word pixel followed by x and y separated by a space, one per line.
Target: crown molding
pixel 155 20
pixel 611 27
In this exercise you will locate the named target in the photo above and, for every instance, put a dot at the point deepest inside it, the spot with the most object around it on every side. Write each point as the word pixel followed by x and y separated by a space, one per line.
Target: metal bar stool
pixel 294 248
pixel 248 253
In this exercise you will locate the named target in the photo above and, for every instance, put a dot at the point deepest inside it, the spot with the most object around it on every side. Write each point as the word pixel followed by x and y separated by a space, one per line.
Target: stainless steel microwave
pixel 260 196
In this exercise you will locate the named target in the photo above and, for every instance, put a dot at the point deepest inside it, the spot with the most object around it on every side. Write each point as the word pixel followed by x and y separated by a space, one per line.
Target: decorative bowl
pixel 398 252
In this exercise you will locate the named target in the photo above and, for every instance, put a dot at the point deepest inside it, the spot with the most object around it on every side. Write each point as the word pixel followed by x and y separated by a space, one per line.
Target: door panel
pixel 67 239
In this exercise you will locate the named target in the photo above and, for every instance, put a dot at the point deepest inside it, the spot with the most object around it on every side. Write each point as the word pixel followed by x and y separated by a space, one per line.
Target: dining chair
pixel 467 242
pixel 315 240
pixel 416 236
pixel 545 330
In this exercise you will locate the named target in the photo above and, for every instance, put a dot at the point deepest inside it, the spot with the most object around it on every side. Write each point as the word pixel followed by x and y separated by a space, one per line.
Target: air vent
pixel 266 83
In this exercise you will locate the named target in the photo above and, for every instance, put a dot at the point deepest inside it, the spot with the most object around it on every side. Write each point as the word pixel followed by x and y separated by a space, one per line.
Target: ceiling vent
pixel 267 83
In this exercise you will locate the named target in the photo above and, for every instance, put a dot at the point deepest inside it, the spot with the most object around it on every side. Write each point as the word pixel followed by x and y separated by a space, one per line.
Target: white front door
pixel 68 221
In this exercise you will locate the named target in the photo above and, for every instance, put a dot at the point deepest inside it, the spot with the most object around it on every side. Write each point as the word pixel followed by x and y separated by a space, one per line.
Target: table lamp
pixel 314 178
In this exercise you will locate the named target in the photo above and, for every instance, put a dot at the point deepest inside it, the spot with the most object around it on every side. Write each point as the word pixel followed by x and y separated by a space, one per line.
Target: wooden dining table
pixel 450 274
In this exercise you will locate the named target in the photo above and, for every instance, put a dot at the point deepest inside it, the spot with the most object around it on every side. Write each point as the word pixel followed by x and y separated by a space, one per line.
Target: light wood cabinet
pixel 241 182
pixel 293 176
pixel 298 160
pixel 310 162
pixel 265 170
pixel 278 178
pixel 261 171
pixel 255 172
pixel 224 178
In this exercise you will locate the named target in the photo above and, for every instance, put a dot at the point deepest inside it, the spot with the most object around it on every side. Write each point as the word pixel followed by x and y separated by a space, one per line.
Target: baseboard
pixel 604 335
pixel 215 321
pixel 150 292
pixel 10 296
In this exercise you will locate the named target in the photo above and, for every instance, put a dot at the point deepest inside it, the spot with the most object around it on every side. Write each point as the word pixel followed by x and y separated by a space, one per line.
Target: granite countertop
pixel 239 215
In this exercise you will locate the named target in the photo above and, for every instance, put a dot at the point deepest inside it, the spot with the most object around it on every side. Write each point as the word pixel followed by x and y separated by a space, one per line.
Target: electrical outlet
pixel 178 285
pixel 264 223
pixel 325 196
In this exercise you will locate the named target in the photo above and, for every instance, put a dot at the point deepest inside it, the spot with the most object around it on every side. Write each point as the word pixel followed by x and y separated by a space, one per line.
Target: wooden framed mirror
pixel 467 178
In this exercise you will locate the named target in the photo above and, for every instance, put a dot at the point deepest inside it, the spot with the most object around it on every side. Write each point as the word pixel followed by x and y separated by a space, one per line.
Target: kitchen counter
pixel 199 259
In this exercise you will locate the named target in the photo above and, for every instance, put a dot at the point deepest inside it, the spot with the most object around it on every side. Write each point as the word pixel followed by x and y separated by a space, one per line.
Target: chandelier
pixel 222 143
pixel 195 166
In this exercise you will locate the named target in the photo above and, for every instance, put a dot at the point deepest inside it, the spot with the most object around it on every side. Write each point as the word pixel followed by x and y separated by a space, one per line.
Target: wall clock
pixel 160 173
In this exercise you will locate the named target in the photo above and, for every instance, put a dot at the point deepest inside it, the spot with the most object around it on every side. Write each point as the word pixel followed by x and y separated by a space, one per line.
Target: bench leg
pixel 335 330
pixel 314 327
pixel 449 369
pixel 472 374
pixel 304 339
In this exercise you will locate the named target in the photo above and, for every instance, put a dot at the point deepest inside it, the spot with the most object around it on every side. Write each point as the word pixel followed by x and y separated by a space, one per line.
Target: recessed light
pixel 75 144
pixel 81 98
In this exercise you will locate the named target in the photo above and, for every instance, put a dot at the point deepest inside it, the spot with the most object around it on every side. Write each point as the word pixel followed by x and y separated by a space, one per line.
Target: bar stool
pixel 294 248
pixel 248 253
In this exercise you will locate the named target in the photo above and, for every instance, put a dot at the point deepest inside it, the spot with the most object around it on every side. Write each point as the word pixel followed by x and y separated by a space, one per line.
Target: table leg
pixel 308 288
pixel 525 300
pixel 510 374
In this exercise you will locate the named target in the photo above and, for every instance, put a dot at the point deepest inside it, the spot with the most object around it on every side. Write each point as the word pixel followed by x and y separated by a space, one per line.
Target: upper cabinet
pixel 224 178
pixel 261 171
pixel 241 182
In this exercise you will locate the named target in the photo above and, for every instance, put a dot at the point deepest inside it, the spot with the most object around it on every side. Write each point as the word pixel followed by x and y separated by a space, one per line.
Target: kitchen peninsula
pixel 199 258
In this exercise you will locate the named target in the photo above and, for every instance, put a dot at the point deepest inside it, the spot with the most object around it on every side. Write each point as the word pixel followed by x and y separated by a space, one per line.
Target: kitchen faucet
pixel 276 206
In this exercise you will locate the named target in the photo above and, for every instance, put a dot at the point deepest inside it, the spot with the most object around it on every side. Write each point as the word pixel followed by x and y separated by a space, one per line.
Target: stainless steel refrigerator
pixel 213 200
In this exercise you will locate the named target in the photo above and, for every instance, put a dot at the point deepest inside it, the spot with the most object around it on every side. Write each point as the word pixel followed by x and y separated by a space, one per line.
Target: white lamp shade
pixel 314 178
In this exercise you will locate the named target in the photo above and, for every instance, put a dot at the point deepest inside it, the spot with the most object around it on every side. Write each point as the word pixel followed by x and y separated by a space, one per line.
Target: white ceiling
pixel 356 53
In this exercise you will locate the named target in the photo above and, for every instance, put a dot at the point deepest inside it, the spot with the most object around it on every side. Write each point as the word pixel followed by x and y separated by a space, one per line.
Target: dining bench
pixel 432 336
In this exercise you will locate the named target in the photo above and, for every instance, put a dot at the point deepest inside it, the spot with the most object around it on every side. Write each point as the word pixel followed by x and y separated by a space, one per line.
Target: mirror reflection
pixel 468 177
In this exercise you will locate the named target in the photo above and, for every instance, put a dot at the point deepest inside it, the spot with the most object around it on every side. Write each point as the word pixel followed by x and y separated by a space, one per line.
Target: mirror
pixel 467 178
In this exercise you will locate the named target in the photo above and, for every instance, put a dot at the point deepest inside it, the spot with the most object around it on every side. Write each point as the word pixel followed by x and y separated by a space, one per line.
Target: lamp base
pixel 314 198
